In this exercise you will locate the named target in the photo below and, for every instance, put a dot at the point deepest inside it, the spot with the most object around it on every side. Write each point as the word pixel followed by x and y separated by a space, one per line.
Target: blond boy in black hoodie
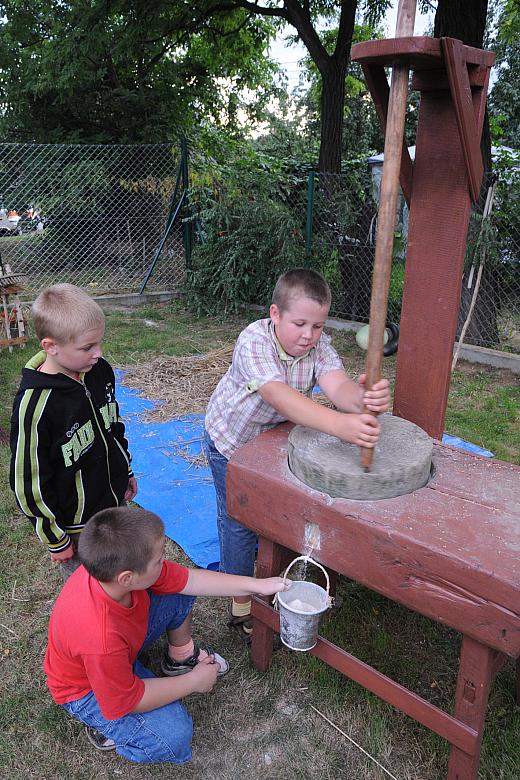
pixel 70 458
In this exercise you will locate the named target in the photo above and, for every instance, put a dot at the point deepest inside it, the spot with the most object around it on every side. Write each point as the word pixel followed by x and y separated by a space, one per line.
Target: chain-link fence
pixel 342 243
pixel 97 216
pixel 490 300
pixel 93 215
pixel 341 225
pixel 256 226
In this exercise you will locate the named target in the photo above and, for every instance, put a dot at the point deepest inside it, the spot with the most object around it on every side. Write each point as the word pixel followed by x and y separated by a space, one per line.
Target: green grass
pixel 135 335
pixel 261 723
pixel 11 364
pixel 395 292
pixel 483 408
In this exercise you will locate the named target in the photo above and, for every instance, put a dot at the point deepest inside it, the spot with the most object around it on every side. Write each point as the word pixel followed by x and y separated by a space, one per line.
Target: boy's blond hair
pixel 301 282
pixel 63 311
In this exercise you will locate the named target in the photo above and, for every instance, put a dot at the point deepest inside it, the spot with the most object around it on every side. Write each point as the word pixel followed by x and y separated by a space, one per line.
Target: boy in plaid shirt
pixel 276 363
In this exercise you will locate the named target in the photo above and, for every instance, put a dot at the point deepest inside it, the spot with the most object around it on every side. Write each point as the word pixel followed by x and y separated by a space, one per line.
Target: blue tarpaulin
pixel 454 441
pixel 181 494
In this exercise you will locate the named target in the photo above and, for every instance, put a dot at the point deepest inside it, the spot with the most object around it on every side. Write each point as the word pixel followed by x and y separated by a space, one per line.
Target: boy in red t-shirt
pixel 121 599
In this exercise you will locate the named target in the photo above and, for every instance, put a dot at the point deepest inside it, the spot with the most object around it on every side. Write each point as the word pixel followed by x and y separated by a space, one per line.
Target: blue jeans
pixel 237 544
pixel 160 735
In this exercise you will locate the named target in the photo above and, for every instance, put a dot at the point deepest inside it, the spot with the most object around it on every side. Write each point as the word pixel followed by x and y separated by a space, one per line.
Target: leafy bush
pixel 248 243
pixel 250 219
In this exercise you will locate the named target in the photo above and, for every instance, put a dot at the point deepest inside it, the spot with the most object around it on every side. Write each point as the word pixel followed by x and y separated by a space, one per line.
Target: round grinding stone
pixel 401 463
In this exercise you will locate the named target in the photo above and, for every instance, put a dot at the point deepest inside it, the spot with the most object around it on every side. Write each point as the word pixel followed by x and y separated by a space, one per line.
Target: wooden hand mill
pixel 450 549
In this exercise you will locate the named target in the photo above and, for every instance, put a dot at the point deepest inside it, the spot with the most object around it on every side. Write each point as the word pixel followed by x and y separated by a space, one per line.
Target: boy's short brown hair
pixel 63 311
pixel 301 282
pixel 119 539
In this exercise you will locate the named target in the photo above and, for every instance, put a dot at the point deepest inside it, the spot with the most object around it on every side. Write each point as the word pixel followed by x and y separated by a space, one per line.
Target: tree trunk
pixel 463 19
pixel 466 20
pixel 332 104
pixel 333 70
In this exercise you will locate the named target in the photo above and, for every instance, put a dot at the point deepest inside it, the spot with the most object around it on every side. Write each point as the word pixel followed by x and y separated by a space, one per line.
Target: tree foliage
pixel 505 95
pixel 88 70
pixel 361 130
pixel 312 19
pixel 98 71
pixel 250 210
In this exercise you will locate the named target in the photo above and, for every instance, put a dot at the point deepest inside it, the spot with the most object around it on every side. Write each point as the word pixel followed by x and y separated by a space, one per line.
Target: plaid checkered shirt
pixel 236 412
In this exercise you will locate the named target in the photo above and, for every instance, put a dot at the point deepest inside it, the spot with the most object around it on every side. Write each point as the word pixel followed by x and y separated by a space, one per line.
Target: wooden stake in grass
pixel 386 212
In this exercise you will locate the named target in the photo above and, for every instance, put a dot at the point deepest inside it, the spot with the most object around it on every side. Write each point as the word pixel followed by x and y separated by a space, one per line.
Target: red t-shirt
pixel 94 641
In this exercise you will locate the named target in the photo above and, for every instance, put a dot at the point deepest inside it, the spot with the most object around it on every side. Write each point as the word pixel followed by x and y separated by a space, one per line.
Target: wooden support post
pixel 20 320
pixel 478 665
pixel 387 210
pixel 268 564
pixel 7 326
pixel 445 170
pixel 469 133
pixel 11 285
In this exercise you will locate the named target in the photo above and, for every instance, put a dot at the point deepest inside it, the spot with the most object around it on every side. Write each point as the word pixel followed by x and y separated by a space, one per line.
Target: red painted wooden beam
pixel 418 53
pixel 439 63
pixel 457 70
pixel 454 731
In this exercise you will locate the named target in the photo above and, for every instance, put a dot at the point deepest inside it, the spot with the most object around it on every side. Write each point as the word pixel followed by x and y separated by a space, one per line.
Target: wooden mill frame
pixel 450 550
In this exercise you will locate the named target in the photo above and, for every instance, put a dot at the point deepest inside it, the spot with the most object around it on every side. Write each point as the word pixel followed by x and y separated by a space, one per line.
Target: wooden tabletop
pixel 450 550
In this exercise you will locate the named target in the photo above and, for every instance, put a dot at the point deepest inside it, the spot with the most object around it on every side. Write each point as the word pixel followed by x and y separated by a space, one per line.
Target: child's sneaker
pixel 172 668
pixel 98 739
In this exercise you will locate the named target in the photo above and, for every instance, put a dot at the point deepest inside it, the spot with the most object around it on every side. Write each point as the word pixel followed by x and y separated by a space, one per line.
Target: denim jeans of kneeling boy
pixel 237 544
pixel 160 735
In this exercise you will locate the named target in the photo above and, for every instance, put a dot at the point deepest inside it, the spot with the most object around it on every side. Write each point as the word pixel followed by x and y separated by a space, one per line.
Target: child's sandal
pixel 243 624
pixel 244 627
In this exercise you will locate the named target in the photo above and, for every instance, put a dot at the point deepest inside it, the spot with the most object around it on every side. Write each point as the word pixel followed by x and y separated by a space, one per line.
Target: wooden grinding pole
pixel 387 210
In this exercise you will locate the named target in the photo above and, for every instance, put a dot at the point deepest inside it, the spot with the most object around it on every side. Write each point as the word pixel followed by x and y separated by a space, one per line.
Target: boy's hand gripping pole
pixel 386 212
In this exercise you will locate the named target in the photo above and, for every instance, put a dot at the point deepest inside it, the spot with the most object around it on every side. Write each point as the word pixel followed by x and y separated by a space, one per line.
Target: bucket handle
pixel 306 558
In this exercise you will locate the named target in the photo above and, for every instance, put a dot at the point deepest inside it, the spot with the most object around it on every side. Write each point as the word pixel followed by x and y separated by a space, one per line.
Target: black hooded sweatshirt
pixel 69 455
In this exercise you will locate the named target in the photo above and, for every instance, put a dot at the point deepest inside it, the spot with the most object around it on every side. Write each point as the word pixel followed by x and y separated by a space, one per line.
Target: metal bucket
pixel 301 608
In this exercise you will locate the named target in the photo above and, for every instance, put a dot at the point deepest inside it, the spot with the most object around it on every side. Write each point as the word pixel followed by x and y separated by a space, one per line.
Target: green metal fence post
pixel 310 213
pixel 175 208
pixel 186 225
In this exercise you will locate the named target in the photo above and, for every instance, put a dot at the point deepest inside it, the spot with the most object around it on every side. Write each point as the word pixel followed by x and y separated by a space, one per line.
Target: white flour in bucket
pixel 302 606
pixel 301 609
